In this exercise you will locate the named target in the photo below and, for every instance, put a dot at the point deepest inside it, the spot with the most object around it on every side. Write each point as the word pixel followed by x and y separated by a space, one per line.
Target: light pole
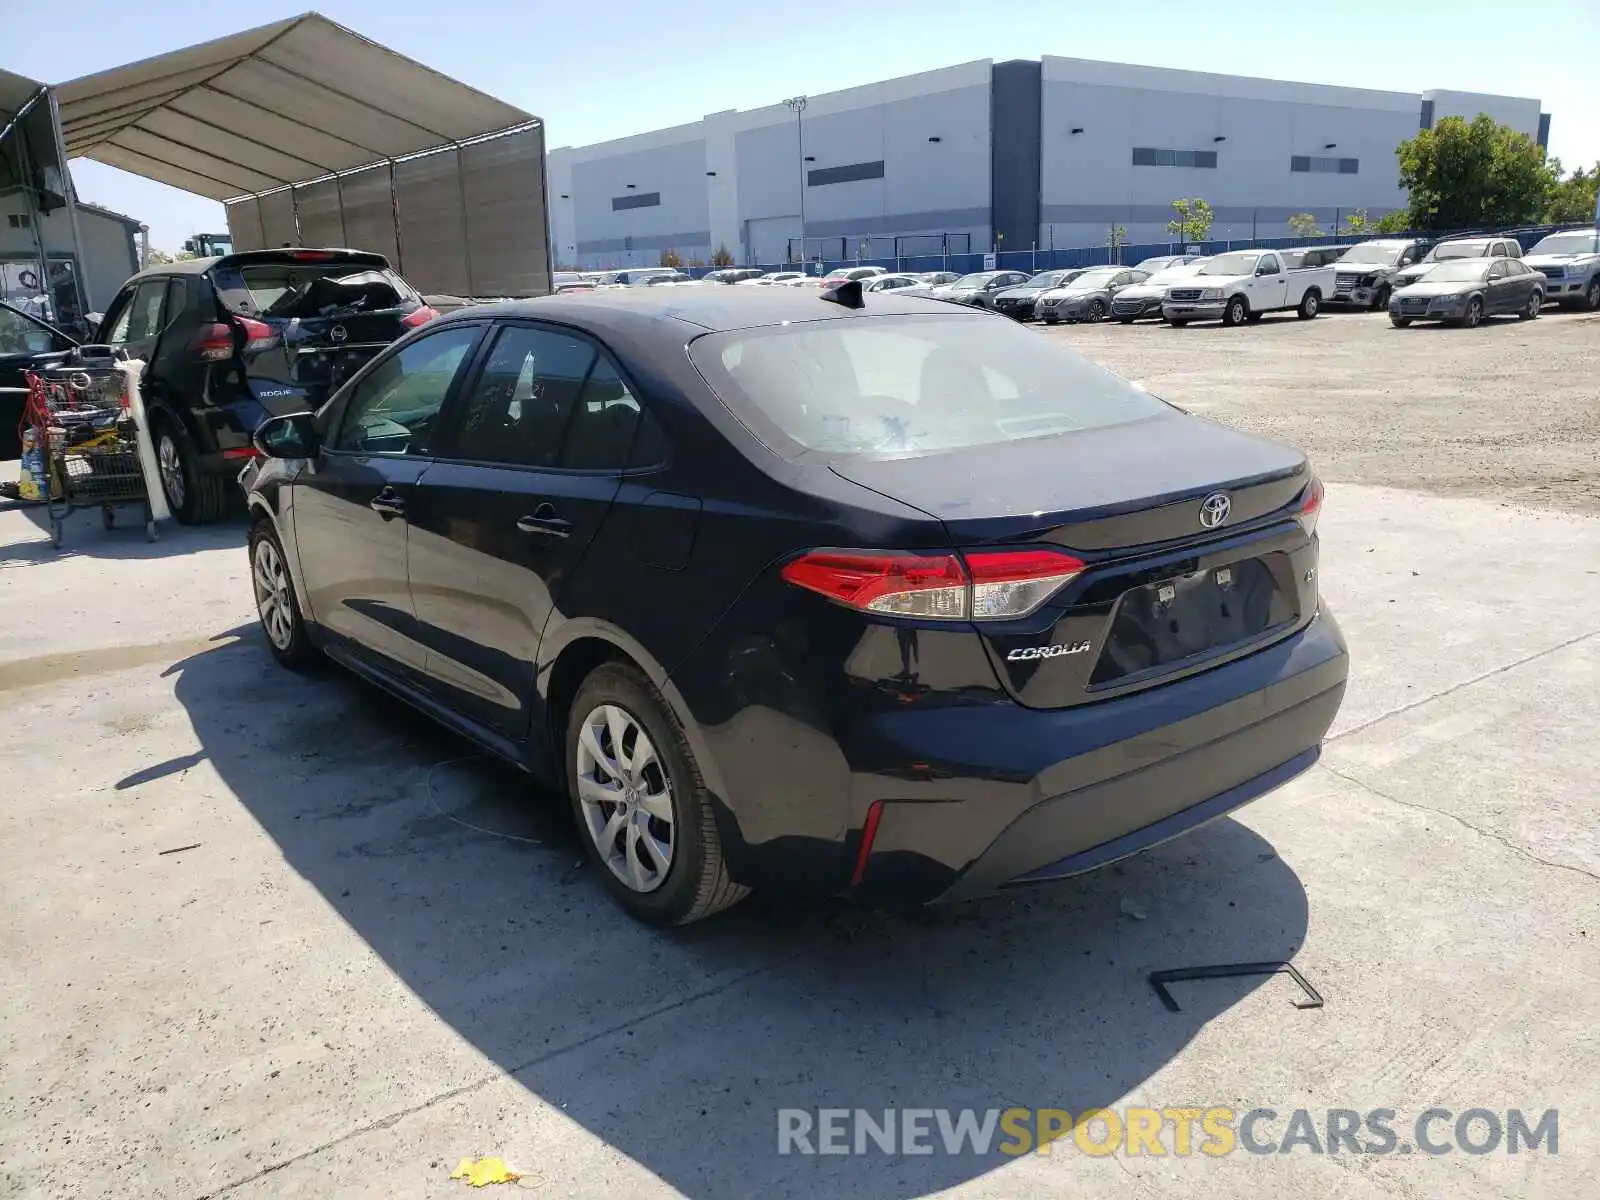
pixel 798 105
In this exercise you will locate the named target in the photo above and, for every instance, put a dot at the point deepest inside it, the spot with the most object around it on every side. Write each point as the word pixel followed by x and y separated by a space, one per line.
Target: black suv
pixel 230 341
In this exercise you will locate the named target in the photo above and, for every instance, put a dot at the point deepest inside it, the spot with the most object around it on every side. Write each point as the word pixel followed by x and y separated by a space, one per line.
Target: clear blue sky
pixel 597 71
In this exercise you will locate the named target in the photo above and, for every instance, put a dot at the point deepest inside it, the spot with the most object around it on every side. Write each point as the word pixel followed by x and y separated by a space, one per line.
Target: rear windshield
pixel 311 290
pixel 885 387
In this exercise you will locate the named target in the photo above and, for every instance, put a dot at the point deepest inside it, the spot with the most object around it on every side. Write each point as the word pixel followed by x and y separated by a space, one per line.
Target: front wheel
pixel 1474 316
pixel 1310 305
pixel 1398 321
pixel 1591 295
pixel 638 797
pixel 1531 310
pixel 1236 312
pixel 1096 312
pixel 276 605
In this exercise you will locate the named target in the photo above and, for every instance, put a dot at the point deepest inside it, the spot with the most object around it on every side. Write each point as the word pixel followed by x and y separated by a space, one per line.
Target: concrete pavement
pixel 380 955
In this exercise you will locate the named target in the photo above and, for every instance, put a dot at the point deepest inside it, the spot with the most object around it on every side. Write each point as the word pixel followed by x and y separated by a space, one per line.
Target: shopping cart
pixel 82 437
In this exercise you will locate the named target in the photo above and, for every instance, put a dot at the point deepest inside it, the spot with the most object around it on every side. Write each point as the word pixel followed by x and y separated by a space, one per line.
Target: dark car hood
pixel 1077 478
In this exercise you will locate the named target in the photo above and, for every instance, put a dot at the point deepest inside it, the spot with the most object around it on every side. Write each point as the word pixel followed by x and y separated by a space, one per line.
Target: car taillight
pixel 258 335
pixel 214 342
pixel 422 316
pixel 313 255
pixel 1310 507
pixel 986 585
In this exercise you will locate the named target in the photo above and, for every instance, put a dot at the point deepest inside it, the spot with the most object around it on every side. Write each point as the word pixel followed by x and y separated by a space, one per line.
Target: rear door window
pixel 550 399
pixel 141 319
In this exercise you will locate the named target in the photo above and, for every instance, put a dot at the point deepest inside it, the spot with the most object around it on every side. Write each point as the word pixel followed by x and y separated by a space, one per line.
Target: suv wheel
pixel 1236 312
pixel 1591 295
pixel 193 496
pixel 644 811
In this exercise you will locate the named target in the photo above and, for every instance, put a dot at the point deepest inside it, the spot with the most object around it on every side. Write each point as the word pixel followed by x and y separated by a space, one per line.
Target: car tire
pixel 1474 314
pixel 1380 298
pixel 1236 313
pixel 1398 321
pixel 1591 295
pixel 1310 305
pixel 1095 312
pixel 619 702
pixel 277 608
pixel 1530 311
pixel 194 496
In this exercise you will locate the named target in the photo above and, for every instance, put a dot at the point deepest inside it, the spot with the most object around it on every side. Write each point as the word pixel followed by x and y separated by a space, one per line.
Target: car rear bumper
pixel 1123 775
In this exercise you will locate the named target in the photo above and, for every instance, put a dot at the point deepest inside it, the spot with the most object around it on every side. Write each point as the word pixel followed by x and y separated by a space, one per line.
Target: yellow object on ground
pixel 484 1171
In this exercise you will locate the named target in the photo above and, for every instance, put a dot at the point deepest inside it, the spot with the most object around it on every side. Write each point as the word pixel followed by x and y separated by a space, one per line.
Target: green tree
pixel 1305 225
pixel 670 258
pixel 722 256
pixel 1397 221
pixel 1572 199
pixel 1116 240
pixel 1356 223
pixel 1461 175
pixel 1193 222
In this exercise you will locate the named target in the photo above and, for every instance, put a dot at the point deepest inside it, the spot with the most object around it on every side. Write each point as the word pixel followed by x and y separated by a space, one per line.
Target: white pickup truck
pixel 1241 285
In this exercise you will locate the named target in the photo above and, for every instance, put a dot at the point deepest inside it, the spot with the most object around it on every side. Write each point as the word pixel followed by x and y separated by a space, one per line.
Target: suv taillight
pixel 421 316
pixel 982 585
pixel 214 342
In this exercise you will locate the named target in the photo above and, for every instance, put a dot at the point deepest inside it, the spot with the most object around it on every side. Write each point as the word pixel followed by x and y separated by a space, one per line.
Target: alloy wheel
pixel 1097 311
pixel 273 601
pixel 1474 313
pixel 626 798
pixel 170 462
pixel 1591 297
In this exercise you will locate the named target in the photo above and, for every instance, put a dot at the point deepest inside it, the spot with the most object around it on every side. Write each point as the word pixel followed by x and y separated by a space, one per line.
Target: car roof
pixel 245 258
pixel 704 309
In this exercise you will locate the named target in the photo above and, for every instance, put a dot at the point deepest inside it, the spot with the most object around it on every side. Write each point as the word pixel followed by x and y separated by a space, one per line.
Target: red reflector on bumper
pixel 241 452
pixel 869 831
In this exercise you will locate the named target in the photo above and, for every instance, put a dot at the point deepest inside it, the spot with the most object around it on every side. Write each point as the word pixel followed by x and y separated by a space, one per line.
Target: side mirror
pixel 291 436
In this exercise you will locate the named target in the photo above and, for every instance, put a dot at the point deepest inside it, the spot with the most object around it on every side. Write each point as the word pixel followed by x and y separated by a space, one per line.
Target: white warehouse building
pixel 986 155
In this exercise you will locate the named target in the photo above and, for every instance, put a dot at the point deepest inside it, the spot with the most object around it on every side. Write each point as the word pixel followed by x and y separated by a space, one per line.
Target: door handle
pixel 387 504
pixel 544 520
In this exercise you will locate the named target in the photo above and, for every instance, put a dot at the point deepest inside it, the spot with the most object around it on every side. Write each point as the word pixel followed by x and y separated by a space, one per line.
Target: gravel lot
pixel 1508 411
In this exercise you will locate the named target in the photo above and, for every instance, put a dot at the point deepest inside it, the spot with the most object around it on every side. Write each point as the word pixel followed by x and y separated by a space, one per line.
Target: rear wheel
pixel 1310 305
pixel 641 804
pixel 1530 311
pixel 194 496
pixel 1236 312
pixel 1474 314
pixel 1398 321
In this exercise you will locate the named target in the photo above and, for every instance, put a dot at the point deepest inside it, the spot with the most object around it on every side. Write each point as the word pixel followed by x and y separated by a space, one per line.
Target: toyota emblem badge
pixel 1214 510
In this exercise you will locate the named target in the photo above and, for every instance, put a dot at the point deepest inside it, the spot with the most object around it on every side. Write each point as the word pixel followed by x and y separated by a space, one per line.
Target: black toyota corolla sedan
pixel 807 592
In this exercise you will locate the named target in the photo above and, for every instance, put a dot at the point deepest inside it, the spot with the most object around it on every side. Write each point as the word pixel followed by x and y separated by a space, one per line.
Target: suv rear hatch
pixel 313 318
pixel 1158 593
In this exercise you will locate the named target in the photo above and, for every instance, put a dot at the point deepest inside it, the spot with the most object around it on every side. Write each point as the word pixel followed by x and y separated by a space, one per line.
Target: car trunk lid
pixel 1165 587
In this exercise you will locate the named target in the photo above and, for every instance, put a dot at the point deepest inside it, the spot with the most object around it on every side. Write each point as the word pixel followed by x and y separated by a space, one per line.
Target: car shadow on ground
pixel 83 535
pixel 678 1048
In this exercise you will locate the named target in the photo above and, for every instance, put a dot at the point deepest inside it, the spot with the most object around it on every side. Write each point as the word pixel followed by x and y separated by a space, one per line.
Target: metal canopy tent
pixel 315 135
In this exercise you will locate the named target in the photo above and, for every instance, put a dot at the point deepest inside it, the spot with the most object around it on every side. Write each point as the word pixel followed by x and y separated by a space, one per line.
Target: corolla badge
pixel 1028 653
pixel 1214 510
